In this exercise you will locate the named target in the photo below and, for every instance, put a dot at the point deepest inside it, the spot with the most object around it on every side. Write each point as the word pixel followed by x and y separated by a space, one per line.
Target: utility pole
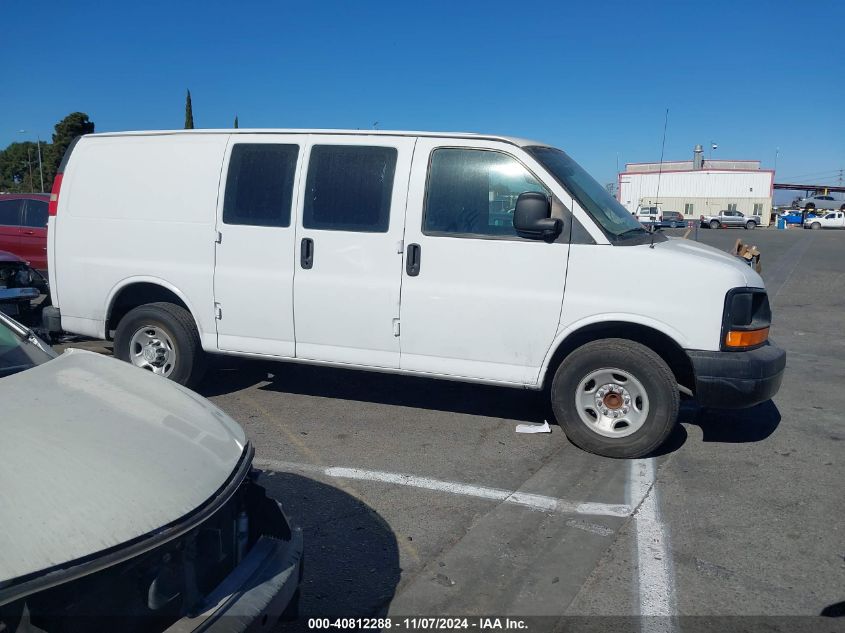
pixel 29 164
pixel 40 166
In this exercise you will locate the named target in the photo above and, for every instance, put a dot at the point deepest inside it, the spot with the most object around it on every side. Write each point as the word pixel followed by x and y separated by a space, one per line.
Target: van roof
pixel 513 140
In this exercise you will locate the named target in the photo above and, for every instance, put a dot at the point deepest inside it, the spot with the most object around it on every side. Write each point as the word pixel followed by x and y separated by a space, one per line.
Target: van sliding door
pixel 349 249
pixel 253 274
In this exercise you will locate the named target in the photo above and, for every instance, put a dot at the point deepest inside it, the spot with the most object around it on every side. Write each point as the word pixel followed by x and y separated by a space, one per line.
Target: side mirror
pixel 532 217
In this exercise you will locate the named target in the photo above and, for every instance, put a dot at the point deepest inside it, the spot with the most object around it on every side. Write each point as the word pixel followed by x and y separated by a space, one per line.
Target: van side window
pixel 349 188
pixel 259 185
pixel 10 212
pixel 473 192
pixel 36 214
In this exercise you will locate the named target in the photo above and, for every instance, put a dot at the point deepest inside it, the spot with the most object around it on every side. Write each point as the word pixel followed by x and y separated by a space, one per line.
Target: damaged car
pixel 129 503
pixel 20 285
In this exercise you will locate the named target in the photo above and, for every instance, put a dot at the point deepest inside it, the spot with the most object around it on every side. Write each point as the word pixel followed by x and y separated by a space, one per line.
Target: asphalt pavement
pixel 417 497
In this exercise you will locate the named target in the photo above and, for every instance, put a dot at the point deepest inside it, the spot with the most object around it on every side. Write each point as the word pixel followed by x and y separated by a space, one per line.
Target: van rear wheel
pixel 615 398
pixel 161 338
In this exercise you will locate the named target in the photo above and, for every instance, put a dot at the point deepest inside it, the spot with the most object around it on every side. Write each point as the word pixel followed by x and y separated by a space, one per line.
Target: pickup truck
pixel 834 220
pixel 730 219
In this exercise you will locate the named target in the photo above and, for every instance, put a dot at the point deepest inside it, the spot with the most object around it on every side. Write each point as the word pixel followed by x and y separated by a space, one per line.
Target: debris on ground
pixel 751 254
pixel 534 428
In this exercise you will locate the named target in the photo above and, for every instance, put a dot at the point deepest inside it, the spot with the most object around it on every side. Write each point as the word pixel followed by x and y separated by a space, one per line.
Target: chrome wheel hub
pixel 152 349
pixel 612 402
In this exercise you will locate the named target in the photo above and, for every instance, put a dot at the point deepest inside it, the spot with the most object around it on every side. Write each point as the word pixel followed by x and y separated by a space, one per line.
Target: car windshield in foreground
pixel 17 351
pixel 616 222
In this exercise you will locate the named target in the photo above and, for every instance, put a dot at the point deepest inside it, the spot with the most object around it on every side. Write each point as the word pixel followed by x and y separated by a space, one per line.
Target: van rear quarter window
pixel 349 188
pixel 259 184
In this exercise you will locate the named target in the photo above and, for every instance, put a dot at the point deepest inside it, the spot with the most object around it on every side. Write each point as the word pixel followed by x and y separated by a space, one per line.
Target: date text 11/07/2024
pixel 420 623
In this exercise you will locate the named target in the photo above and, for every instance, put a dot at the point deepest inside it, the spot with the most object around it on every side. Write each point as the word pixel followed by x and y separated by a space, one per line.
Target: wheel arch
pixel 137 291
pixel 652 335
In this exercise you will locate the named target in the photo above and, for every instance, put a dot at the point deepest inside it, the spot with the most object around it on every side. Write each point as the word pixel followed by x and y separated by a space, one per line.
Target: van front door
pixel 253 274
pixel 477 301
pixel 349 249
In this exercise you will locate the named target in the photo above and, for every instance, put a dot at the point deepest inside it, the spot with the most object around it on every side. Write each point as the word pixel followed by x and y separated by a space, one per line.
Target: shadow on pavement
pixel 367 386
pixel 834 610
pixel 351 560
pixel 728 426
pixel 739 425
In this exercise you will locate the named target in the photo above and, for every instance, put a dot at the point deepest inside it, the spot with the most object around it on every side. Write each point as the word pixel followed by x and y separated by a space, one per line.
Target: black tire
pixel 810 207
pixel 178 323
pixel 816 226
pixel 750 225
pixel 645 366
pixel 842 208
pixel 714 224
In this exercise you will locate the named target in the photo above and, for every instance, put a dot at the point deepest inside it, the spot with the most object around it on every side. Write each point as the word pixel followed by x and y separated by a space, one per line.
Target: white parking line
pixel 540 503
pixel 654 563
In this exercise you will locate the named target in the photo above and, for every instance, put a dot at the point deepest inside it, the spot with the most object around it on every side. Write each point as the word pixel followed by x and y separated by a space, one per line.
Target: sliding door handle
pixel 412 261
pixel 306 253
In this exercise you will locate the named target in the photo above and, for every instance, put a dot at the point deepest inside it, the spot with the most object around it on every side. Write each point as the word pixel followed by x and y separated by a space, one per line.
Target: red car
pixel 23 226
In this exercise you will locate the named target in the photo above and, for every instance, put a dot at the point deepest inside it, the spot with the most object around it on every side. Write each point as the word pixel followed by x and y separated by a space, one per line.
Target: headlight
pixel 24 277
pixel 746 319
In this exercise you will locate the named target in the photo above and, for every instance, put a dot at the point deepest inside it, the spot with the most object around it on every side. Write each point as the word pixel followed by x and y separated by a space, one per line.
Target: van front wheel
pixel 161 338
pixel 615 398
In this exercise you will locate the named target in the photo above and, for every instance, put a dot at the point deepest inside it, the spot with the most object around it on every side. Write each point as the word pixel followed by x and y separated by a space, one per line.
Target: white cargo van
pixel 461 256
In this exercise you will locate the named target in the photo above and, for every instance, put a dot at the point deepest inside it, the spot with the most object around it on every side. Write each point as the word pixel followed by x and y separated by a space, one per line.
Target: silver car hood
pixel 95 453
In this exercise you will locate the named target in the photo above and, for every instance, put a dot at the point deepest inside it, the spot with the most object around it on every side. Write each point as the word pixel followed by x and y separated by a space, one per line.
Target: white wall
pixel 709 191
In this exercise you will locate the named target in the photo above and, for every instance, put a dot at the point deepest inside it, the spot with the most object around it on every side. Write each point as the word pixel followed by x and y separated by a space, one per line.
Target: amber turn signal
pixel 746 338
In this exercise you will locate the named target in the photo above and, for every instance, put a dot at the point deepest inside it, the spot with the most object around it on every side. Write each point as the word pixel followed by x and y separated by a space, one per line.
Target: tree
pixel 72 126
pixel 19 168
pixel 19 161
pixel 236 121
pixel 189 113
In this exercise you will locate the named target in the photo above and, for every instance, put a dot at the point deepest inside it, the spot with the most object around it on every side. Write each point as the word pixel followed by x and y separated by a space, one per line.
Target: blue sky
pixel 591 77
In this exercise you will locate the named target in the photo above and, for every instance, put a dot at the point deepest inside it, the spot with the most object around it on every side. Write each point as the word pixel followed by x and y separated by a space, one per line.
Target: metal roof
pixel 513 140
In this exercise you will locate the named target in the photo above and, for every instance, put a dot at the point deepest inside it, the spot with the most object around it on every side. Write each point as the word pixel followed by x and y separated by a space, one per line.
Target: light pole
pixel 40 166
pixel 777 151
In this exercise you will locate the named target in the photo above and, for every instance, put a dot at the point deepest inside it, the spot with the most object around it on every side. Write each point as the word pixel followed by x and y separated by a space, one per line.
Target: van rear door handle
pixel 412 261
pixel 306 253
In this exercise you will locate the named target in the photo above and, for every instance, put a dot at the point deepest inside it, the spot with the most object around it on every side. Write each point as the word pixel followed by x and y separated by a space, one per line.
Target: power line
pixel 819 174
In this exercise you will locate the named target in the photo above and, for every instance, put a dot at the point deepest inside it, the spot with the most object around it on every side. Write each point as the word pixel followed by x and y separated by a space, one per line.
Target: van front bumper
pixel 736 380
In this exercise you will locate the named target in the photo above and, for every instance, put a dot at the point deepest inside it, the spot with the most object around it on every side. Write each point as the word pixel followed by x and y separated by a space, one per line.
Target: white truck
pixel 648 215
pixel 834 220
pixel 386 251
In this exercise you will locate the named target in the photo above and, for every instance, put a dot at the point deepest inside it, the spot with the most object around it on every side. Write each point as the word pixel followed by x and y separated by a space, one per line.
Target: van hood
pixel 711 257
pixel 95 453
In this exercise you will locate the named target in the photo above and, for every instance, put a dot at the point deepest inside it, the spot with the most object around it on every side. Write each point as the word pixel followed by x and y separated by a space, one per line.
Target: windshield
pixel 614 219
pixel 17 353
